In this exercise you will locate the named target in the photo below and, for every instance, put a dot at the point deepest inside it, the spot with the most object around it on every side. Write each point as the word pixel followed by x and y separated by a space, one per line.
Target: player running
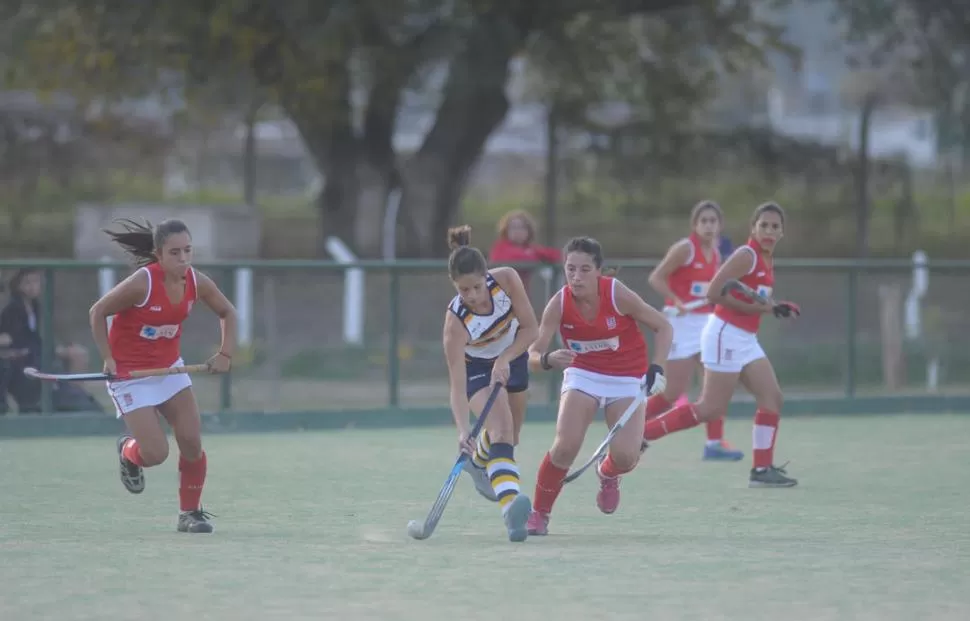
pixel 682 278
pixel 488 327
pixel 605 365
pixel 148 308
pixel 730 350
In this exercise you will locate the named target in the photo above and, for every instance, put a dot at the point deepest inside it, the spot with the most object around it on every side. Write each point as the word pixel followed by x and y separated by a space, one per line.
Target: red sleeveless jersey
pixel 689 281
pixel 611 344
pixel 761 278
pixel 147 336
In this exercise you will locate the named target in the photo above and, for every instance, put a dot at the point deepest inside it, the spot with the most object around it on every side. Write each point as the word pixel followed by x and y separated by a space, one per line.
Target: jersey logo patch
pixel 153 333
pixel 155 309
pixel 128 399
pixel 585 347
pixel 611 323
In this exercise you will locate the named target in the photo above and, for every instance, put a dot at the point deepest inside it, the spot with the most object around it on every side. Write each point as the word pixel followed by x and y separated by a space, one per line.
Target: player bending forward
pixel 682 278
pixel 148 308
pixel 730 350
pixel 605 365
pixel 488 327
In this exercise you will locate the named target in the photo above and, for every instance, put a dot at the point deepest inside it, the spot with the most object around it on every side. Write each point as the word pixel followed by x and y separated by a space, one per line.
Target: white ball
pixel 415 530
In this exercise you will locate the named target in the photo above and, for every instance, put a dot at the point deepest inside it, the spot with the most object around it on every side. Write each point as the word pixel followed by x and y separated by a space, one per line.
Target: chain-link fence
pixel 851 339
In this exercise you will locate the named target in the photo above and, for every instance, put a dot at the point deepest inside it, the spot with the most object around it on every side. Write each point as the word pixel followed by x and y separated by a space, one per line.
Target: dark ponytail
pixel 142 241
pixel 464 259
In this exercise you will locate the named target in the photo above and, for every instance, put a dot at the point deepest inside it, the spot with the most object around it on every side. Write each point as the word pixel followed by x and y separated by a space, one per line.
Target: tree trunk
pixel 250 155
pixel 862 176
pixel 473 106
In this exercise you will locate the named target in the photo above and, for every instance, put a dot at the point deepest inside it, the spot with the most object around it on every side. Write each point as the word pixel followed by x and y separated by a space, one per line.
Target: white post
pixel 353 292
pixel 244 306
pixel 106 280
pixel 389 241
pixel 921 282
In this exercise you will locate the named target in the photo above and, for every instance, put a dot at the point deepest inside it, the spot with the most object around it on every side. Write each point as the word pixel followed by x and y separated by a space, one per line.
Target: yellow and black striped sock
pixel 503 472
pixel 481 456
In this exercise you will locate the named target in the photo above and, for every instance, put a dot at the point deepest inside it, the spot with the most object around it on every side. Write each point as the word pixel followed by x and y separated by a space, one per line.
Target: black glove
pixel 655 371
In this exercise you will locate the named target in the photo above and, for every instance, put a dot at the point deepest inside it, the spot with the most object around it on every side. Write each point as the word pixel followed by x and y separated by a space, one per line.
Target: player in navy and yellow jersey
pixel 489 326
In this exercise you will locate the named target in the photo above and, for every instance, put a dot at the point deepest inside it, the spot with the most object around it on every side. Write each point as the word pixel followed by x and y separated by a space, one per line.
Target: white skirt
pixel 146 392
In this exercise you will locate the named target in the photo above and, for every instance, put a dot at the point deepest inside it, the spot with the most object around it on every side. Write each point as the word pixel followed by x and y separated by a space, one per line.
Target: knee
pixel 708 411
pixel 771 401
pixel 564 450
pixel 624 460
pixel 153 453
pixel 191 447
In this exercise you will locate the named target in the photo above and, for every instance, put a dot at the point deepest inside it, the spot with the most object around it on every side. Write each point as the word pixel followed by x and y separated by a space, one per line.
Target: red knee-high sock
pixel 677 419
pixel 548 485
pixel 657 405
pixel 763 437
pixel 191 481
pixel 715 430
pixel 130 452
pixel 610 470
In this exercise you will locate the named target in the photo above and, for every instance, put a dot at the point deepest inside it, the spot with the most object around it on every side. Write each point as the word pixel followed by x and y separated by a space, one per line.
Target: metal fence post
pixel 852 286
pixel 393 340
pixel 48 345
pixel 225 380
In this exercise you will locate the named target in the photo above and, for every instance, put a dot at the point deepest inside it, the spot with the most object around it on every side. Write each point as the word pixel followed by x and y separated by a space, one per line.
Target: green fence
pixel 297 357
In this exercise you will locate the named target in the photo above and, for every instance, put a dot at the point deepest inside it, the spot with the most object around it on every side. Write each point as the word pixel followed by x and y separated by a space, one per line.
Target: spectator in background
pixel 20 320
pixel 516 244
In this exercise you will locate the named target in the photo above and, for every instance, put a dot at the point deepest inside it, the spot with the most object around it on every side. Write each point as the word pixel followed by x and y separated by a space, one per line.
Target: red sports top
pixel 147 336
pixel 611 344
pixel 761 278
pixel 689 281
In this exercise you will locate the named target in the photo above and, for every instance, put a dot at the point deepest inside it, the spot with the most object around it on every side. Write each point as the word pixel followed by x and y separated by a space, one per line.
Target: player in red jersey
pixel 730 350
pixel 148 308
pixel 605 365
pixel 682 277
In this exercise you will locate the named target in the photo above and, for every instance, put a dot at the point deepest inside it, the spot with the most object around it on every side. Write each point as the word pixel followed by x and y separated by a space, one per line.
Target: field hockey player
pixel 148 309
pixel 488 327
pixel 604 365
pixel 683 278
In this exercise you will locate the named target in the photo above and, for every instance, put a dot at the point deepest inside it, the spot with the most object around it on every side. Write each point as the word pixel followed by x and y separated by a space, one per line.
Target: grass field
pixel 312 526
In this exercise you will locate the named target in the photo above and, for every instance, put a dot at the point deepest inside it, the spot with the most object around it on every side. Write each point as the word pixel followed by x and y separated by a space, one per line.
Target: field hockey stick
pixel 602 448
pixel 673 311
pixel 91 377
pixel 745 290
pixel 416 529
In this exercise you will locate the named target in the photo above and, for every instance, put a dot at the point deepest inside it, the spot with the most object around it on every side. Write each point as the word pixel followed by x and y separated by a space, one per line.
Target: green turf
pixel 312 526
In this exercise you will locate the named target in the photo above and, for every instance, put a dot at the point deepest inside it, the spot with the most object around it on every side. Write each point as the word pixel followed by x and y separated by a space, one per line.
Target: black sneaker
pixel 132 475
pixel 195 522
pixel 771 476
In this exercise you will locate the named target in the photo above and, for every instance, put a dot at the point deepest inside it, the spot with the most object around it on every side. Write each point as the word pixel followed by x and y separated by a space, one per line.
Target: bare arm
pixel 551 317
pixel 212 297
pixel 631 304
pixel 737 265
pixel 659 277
pixel 510 280
pixel 454 339
pixel 128 293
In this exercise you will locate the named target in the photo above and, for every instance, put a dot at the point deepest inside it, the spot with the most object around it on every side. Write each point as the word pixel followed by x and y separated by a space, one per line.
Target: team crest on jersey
pixel 611 323
pixel 728 354
pixel 128 399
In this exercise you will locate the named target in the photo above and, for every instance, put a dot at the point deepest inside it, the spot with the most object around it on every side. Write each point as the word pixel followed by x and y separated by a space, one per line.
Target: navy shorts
pixel 478 374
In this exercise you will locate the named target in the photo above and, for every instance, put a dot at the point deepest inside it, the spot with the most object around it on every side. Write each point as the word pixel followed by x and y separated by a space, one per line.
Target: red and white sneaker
pixel 608 498
pixel 538 523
